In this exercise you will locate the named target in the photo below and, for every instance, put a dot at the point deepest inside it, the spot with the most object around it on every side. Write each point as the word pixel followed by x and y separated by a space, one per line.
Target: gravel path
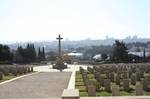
pixel 41 85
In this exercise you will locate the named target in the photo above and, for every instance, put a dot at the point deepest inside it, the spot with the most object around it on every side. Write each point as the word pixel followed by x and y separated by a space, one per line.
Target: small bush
pixel 20 70
pixel 31 69
pixel 13 70
pixel 28 68
pixel 6 71
pixel 1 76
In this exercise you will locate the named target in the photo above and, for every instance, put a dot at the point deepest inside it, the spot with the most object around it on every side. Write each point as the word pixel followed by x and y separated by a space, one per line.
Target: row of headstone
pixel 123 75
pixel 126 74
pixel 15 70
pixel 129 68
pixel 90 87
pixel 126 82
pixel 138 91
pixel 91 70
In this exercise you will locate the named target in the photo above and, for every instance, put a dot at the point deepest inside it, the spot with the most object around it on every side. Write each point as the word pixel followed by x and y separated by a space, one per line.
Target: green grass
pixel 79 83
pixel 78 72
pixel 124 93
pixel 79 80
pixel 146 93
pixel 79 76
pixel 103 93
pixel 90 76
pixel 83 94
pixel 81 88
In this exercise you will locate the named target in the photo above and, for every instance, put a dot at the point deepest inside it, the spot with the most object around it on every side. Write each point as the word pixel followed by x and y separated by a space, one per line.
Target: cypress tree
pixel 39 54
pixel 43 53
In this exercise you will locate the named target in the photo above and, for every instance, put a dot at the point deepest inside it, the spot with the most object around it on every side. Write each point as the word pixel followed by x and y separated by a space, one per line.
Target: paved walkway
pixel 41 85
pixel 71 68
pixel 48 68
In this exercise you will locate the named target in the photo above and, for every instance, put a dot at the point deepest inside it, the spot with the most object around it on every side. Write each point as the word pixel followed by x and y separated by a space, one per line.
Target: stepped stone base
pixel 60 65
pixel 70 94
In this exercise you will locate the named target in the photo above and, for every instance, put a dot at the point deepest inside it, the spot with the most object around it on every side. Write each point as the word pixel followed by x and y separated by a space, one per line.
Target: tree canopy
pixel 120 53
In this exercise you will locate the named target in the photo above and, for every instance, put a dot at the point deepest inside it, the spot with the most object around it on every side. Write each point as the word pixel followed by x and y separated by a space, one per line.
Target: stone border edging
pixel 74 94
pixel 71 84
pixel 18 78
pixel 118 97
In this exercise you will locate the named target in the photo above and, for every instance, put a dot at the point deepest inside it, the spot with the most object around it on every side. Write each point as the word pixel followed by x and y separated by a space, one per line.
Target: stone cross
pixel 59 45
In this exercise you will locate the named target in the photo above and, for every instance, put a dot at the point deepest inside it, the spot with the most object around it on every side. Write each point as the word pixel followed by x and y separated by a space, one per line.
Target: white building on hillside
pixel 75 54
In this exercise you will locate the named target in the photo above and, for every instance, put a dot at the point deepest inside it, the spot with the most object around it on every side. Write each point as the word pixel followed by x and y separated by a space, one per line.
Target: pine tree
pixel 120 53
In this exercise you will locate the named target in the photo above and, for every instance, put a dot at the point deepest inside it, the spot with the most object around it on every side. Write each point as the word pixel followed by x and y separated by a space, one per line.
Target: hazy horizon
pixel 42 20
pixel 135 37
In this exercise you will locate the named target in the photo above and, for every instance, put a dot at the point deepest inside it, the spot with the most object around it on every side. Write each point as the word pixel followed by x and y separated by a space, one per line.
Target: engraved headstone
pixel 115 90
pixel 117 79
pixel 145 84
pixel 138 77
pixel 91 90
pixel 139 89
pixel 126 85
pixel 101 80
pixel 107 85
pixel 133 79
pixel 112 76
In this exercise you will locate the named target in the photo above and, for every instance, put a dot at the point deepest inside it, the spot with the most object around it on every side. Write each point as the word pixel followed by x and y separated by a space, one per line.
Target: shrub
pixel 6 71
pixel 20 70
pixel 1 76
pixel 13 70
pixel 28 68
pixel 31 69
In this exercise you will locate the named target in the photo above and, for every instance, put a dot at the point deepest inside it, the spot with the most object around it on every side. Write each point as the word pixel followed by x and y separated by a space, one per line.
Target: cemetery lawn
pixel 79 84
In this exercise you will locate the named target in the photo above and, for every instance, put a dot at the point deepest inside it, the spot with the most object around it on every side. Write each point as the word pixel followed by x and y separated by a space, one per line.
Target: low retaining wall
pixel 74 94
pixel 118 97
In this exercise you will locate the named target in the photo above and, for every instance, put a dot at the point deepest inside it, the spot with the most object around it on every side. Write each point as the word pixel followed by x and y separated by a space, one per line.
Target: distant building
pixel 98 57
pixel 140 54
pixel 73 57
pixel 139 51
pixel 75 54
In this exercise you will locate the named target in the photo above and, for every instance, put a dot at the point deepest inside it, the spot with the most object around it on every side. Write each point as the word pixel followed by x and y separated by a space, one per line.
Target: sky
pixel 38 20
